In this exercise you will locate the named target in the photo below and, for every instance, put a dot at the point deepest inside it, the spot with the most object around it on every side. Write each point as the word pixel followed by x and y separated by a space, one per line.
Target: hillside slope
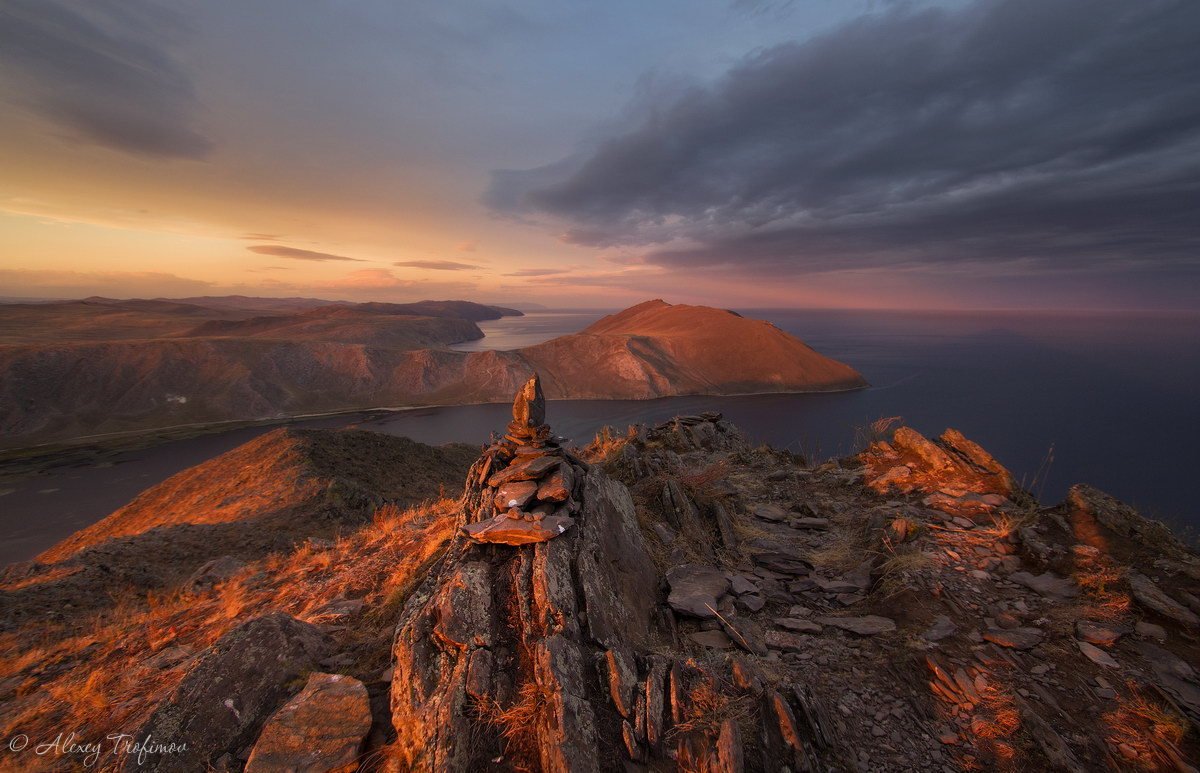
pixel 347 358
pixel 656 349
pixel 266 495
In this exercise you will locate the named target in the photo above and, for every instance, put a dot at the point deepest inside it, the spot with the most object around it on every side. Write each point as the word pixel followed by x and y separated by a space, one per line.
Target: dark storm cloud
pixel 1052 135
pixel 104 72
pixel 296 253
pixel 437 265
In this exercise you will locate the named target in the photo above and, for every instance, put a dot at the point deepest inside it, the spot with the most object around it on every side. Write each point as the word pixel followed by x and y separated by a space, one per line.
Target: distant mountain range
pixel 82 368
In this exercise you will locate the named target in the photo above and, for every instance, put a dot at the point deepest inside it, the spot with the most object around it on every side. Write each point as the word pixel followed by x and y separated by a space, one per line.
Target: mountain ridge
pixel 345 358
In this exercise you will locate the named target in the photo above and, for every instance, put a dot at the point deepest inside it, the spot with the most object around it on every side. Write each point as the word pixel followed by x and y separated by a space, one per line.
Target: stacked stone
pixel 526 479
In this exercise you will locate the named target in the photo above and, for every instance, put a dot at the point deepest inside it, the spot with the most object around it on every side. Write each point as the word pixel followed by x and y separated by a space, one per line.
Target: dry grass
pixel 520 726
pixel 708 707
pixel 605 445
pixel 701 484
pixel 877 430
pixel 850 543
pixel 1153 732
pixel 96 674
pixel 897 571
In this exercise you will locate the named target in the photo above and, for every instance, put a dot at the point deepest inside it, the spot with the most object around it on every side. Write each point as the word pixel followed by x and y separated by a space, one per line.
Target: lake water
pixel 1110 399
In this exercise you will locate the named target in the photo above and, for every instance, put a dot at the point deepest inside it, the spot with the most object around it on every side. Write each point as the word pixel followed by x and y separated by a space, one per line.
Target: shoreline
pixel 136 438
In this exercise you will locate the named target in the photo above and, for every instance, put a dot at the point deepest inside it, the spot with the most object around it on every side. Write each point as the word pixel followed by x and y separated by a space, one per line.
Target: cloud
pixel 539 271
pixel 1052 136
pixel 436 265
pixel 296 253
pixel 366 279
pixel 105 72
pixel 468 246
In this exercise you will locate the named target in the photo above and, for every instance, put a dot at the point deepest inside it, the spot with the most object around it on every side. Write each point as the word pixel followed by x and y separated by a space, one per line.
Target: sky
pixel 772 153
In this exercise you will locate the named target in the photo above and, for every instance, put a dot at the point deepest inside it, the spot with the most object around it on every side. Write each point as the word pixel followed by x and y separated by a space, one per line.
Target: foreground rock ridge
pixel 181 374
pixel 667 598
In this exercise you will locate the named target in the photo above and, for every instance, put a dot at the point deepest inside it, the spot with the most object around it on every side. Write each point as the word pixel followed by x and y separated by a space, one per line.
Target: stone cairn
pixel 524 489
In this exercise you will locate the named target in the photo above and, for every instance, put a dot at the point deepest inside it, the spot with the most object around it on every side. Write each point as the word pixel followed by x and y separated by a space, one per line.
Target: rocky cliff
pixel 669 598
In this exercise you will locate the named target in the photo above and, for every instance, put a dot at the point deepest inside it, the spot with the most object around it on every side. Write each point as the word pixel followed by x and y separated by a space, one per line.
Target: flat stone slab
pixel 942 628
pixel 787 641
pixel 530 469
pixel 1047 584
pixel 1149 595
pixel 1015 638
pixel 515 493
pixel 696 589
pixel 769 512
pixel 1097 655
pixel 716 640
pixel 556 487
pixel 798 624
pixel 1099 634
pixel 504 530
pixel 782 562
pixel 868 625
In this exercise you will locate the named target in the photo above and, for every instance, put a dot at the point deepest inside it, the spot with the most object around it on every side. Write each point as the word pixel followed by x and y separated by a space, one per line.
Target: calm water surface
pixel 1108 399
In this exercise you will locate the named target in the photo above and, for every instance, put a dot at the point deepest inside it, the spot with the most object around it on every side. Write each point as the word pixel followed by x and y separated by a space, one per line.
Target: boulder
pixel 222 701
pixel 696 589
pixel 321 729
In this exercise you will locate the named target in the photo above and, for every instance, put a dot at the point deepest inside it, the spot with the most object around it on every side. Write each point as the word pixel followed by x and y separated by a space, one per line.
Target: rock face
pixel 497 652
pixel 224 699
pixel 321 729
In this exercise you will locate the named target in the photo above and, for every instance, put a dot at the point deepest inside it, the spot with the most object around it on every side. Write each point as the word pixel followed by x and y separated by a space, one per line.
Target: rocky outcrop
pixel 713 606
pixel 955 474
pixel 321 729
pixel 496 653
pixel 223 700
